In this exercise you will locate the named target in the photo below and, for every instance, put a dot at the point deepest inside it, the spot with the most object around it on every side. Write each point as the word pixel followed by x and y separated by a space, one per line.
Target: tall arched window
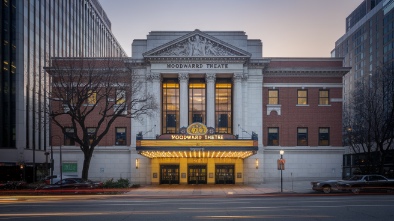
pixel 223 106
pixel 197 110
pixel 170 114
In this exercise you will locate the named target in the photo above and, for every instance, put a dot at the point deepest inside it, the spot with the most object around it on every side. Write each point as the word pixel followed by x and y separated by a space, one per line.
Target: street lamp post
pixel 46 163
pixel 60 154
pixel 281 152
pixel 61 166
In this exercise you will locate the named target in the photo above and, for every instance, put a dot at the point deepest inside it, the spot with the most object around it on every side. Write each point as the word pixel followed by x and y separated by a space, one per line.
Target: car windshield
pixel 356 178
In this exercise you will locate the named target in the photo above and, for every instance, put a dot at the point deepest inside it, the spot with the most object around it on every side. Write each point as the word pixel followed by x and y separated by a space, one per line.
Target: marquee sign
pixel 205 66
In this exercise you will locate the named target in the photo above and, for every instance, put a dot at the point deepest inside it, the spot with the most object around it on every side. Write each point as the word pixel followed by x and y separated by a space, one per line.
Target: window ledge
pixel 302 105
pixel 324 105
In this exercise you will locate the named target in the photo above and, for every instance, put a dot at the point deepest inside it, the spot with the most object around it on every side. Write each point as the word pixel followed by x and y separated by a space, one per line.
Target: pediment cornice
pixel 306 72
pixel 197 45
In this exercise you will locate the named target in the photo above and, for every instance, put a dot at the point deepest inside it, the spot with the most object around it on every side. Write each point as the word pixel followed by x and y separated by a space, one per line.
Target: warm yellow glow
pixel 197 142
pixel 195 154
pixel 257 163
pixel 197 85
pixel 170 85
pixel 223 85
pixel 137 163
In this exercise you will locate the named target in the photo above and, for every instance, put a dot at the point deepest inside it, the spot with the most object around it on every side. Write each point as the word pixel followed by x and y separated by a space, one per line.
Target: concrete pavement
pixel 222 189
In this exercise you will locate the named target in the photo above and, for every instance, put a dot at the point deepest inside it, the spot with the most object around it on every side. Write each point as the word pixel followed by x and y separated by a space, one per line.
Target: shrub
pixel 120 183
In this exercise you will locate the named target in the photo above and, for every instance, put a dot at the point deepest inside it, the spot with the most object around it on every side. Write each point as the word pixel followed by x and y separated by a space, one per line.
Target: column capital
pixel 237 77
pixel 183 77
pixel 245 76
pixel 210 77
pixel 152 76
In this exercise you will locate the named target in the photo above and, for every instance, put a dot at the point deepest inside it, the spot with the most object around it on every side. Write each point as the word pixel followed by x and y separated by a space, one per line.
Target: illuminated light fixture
pixel 137 163
pixel 197 154
pixel 257 163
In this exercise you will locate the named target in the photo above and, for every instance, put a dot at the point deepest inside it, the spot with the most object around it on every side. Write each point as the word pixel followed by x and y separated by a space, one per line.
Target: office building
pixel 32 31
pixel 367 46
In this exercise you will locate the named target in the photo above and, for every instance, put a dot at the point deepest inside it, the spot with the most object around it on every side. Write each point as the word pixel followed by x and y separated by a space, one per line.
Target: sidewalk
pixel 222 189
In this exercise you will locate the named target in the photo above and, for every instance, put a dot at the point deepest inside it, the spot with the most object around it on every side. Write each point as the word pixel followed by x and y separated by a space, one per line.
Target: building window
pixel 273 96
pixel 120 136
pixel 120 102
pixel 223 106
pixel 92 97
pixel 302 96
pixel 91 134
pixel 68 141
pixel 273 136
pixel 120 96
pixel 324 136
pixel 302 136
pixel 170 119
pixel 197 101
pixel 324 97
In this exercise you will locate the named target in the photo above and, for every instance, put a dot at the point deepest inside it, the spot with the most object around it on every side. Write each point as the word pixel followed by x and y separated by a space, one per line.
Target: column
pixel 183 98
pixel 237 103
pixel 210 79
pixel 154 79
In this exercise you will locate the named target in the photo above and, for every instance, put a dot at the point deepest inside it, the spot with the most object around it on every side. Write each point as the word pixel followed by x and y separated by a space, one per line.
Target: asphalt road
pixel 269 207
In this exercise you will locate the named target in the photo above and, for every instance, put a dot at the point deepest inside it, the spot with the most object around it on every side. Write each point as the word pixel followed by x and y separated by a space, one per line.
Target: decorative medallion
pixel 197 129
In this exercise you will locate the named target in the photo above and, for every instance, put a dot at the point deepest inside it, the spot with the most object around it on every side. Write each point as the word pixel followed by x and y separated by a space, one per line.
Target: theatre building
pixel 225 112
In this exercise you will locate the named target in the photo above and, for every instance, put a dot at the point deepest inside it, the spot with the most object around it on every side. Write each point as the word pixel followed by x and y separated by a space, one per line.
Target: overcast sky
pixel 287 28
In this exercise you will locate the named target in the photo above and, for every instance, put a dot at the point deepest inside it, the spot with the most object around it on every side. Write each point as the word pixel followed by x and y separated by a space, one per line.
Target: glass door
pixel 197 174
pixel 169 174
pixel 224 174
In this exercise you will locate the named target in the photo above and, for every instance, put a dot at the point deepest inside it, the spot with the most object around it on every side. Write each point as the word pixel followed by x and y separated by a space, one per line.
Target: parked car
pixel 68 183
pixel 366 182
pixel 13 185
pixel 326 186
pixel 95 184
pixel 55 178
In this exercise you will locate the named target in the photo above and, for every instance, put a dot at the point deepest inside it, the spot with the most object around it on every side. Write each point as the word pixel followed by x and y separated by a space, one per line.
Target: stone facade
pixel 209 57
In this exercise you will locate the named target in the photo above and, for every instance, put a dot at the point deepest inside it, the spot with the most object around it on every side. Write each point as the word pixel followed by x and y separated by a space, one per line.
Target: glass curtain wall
pixel 223 106
pixel 170 106
pixel 7 76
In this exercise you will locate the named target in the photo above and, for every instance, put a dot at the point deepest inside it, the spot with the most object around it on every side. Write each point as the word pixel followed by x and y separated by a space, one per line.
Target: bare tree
pixel 369 118
pixel 90 94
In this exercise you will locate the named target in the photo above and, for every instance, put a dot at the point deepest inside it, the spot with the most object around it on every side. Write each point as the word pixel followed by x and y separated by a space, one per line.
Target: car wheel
pixel 326 189
pixel 356 190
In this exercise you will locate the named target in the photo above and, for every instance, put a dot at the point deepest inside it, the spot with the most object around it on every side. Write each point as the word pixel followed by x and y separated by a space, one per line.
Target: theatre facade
pixel 224 114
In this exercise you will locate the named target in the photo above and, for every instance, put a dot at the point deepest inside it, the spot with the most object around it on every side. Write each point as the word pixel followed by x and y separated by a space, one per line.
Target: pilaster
pixel 210 79
pixel 183 98
pixel 237 80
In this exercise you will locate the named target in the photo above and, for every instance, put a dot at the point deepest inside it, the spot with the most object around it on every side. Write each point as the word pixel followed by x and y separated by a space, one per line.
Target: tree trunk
pixel 86 165
pixel 382 158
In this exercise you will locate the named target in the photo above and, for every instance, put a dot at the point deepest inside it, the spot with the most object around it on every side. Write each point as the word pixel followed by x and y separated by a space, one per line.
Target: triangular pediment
pixel 196 44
